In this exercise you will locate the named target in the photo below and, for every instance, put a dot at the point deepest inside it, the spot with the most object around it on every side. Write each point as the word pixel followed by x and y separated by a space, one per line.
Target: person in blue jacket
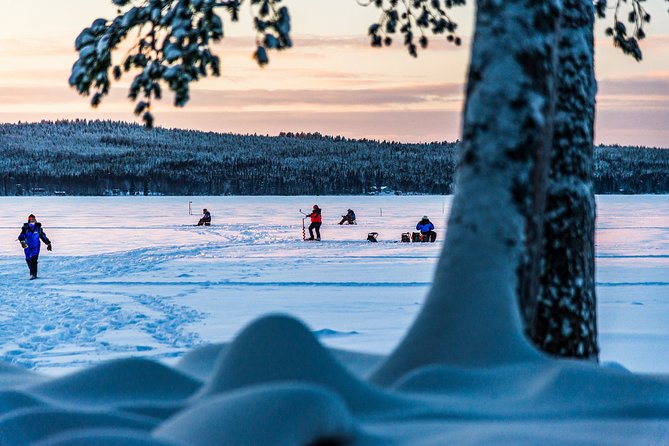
pixel 426 229
pixel 30 237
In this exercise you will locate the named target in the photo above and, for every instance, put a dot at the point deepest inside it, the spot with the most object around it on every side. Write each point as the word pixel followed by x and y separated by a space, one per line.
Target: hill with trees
pixel 104 157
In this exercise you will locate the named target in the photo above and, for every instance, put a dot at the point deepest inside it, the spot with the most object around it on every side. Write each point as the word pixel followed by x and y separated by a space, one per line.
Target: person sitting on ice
pixel 206 218
pixel 30 237
pixel 349 218
pixel 316 221
pixel 426 229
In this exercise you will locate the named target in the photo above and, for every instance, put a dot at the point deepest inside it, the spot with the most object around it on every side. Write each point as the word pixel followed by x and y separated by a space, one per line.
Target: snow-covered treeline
pixel 631 170
pixel 96 157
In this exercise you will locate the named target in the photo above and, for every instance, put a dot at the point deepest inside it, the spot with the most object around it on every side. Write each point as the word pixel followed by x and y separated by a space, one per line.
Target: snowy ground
pixel 131 280
pixel 131 276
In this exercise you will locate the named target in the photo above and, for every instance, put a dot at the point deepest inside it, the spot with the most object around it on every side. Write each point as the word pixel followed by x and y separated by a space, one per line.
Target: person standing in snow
pixel 31 236
pixel 206 218
pixel 426 229
pixel 316 221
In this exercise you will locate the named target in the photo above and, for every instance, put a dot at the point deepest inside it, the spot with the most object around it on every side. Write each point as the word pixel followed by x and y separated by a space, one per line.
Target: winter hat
pixel 32 216
pixel 425 217
pixel 315 206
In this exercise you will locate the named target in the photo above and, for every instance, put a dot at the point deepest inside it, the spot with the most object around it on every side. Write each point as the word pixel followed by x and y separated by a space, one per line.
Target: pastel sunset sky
pixel 331 81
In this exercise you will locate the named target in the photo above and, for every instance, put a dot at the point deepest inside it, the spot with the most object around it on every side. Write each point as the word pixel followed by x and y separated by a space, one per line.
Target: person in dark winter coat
pixel 31 236
pixel 349 218
pixel 426 229
pixel 206 218
pixel 316 221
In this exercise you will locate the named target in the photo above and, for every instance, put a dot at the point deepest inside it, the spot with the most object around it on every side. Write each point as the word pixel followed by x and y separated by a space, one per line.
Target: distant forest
pixel 113 158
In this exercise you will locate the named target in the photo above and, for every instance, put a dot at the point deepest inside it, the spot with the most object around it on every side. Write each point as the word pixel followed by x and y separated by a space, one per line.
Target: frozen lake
pixel 132 276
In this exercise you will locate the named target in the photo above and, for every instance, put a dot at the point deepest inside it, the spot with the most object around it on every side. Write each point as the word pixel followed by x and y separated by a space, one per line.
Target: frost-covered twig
pixel 175 49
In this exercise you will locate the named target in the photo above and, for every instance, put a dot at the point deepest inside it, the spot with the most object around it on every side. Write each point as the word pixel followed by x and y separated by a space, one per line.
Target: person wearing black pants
pixel 31 236
pixel 316 221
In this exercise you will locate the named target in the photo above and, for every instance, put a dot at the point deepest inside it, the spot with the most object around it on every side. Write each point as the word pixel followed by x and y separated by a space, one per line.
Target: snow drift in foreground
pixel 275 382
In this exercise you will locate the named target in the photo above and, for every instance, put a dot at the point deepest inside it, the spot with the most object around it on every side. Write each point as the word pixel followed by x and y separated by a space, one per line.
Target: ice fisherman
pixel 349 218
pixel 31 237
pixel 316 221
pixel 426 229
pixel 206 218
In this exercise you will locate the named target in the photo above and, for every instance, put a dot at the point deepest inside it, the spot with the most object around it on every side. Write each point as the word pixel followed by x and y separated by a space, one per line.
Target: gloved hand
pixel 48 247
pixel 24 245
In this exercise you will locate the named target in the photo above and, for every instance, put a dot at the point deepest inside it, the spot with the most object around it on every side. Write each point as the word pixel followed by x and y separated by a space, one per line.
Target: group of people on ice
pixel 425 226
pixel 32 235
pixel 317 221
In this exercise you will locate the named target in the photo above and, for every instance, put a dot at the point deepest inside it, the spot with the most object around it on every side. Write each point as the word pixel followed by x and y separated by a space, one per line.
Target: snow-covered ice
pixel 132 275
pixel 131 279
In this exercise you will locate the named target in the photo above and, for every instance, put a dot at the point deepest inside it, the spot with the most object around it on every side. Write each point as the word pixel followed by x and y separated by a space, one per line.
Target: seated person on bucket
pixel 426 229
pixel 349 218
pixel 206 218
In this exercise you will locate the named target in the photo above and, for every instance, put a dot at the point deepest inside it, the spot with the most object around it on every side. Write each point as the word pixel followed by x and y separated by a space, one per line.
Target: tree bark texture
pixel 471 316
pixel 565 319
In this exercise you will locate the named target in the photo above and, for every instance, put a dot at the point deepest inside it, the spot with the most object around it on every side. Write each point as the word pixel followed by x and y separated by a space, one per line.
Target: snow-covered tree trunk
pixel 471 316
pixel 565 318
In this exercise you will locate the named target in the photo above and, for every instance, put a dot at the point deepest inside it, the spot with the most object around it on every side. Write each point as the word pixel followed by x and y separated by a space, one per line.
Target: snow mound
pixel 201 361
pixel 555 389
pixel 27 426
pixel 276 384
pixel 125 383
pixel 279 414
pixel 278 348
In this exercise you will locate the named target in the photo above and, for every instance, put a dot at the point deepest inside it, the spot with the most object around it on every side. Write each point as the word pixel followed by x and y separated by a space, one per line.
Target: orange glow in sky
pixel 331 81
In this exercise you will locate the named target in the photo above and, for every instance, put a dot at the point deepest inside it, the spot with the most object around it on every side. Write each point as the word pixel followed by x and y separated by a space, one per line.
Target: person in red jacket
pixel 316 221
